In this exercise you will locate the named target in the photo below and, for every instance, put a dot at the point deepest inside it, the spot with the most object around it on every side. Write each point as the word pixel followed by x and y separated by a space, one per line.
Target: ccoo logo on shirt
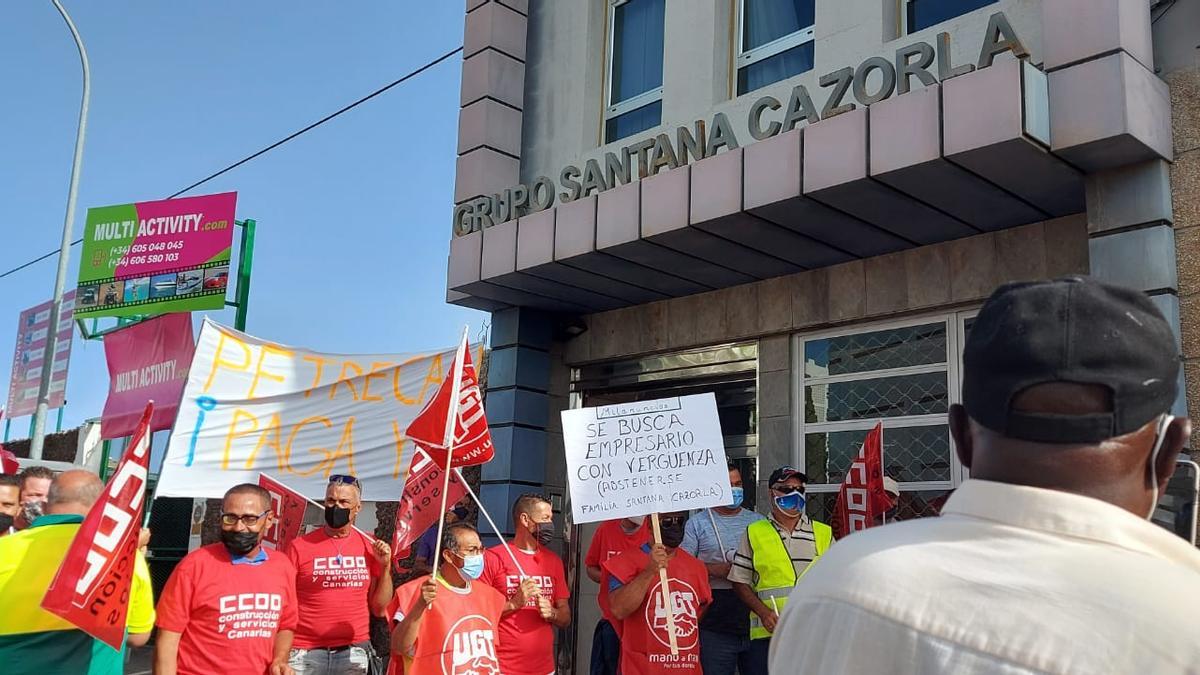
pixel 470 648
pixel 683 606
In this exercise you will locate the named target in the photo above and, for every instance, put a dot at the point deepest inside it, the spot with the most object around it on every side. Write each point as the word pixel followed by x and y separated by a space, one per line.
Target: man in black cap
pixel 1044 561
pixel 773 555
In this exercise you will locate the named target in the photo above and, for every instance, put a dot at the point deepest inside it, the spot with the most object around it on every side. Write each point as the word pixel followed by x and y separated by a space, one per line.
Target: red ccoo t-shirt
pixel 526 639
pixel 645 642
pixel 609 541
pixel 458 631
pixel 333 578
pixel 228 614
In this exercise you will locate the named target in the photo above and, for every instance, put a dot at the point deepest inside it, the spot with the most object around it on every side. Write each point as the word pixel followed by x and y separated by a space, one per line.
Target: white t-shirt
pixel 1010 579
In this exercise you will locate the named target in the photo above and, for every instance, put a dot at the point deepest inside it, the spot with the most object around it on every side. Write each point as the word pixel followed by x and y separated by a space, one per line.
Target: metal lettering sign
pixel 650 155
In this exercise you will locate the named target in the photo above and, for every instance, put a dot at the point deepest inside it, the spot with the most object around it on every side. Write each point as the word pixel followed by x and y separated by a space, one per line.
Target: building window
pixel 904 374
pixel 921 14
pixel 776 41
pixel 635 67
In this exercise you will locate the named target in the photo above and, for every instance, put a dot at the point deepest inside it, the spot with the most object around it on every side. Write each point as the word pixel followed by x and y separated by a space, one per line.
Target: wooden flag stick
pixel 448 443
pixel 666 590
pixel 491 522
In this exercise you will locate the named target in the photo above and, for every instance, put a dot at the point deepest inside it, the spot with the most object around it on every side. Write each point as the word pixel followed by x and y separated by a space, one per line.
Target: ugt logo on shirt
pixel 470 648
pixel 683 604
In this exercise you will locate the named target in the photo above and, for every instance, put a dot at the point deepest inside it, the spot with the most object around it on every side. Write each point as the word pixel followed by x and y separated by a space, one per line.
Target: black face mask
pixel 6 522
pixel 337 517
pixel 544 533
pixel 239 543
pixel 672 533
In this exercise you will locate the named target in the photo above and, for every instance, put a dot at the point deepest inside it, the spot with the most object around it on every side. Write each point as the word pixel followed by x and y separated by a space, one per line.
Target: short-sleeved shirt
pixel 526 639
pixel 608 541
pixel 645 642
pixel 333 581
pixel 37 642
pixel 713 537
pixel 458 632
pixel 426 544
pixel 800 543
pixel 228 614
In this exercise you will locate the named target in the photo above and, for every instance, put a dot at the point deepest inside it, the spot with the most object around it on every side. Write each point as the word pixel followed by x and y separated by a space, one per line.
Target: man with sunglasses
pixel 1044 560
pixel 636 600
pixel 773 555
pixel 230 607
pixel 341 578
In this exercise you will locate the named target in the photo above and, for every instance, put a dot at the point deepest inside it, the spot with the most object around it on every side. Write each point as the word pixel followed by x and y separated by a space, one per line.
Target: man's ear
pixel 960 430
pixel 1177 435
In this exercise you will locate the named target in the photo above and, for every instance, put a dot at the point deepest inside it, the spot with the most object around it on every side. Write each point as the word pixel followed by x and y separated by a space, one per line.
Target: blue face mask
pixel 738 495
pixel 472 566
pixel 792 501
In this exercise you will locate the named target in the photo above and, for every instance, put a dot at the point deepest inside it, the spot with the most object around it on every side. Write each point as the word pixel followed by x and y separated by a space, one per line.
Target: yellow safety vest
pixel 773 567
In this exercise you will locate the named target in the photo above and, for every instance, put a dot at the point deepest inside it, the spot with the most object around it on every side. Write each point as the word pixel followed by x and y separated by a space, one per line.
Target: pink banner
pixel 146 362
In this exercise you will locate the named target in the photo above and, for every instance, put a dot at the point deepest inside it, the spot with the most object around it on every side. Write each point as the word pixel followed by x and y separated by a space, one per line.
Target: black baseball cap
pixel 1076 330
pixel 785 472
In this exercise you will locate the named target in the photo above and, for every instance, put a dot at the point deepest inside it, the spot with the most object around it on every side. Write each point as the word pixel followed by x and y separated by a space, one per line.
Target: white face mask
pixel 1160 436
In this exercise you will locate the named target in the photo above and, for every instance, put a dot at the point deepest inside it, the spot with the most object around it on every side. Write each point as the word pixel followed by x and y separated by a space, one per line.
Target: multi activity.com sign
pixel 156 257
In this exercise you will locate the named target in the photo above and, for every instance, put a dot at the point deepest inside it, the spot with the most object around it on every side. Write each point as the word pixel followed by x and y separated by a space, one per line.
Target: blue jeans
pixel 349 661
pixel 724 653
pixel 606 650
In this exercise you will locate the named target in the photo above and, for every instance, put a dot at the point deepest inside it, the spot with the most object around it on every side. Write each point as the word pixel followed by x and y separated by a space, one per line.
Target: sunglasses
pixel 671 520
pixel 343 479
pixel 231 519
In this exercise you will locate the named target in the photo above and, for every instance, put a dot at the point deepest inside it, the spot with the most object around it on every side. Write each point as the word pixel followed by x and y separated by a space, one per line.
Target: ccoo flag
pixel 862 496
pixel 289 507
pixel 91 588
pixel 431 430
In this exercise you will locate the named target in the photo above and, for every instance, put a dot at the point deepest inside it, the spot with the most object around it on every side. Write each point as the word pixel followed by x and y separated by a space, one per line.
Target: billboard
pixel 29 356
pixel 156 257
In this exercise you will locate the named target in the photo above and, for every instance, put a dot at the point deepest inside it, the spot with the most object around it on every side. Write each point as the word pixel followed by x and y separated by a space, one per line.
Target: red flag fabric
pixel 472 440
pixel 91 588
pixel 862 496
pixel 420 501
pixel 288 507
pixel 8 462
pixel 147 361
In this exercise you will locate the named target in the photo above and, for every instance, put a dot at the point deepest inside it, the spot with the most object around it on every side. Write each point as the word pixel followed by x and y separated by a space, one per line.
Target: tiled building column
pixel 1185 189
pixel 1110 115
pixel 775 418
pixel 518 384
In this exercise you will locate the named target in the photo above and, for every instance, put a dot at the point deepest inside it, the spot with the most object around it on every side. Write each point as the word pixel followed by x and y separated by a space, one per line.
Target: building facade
pixel 799 205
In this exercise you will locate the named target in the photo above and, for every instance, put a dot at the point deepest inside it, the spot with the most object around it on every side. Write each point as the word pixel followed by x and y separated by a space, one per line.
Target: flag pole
pixel 492 523
pixel 668 608
pixel 448 443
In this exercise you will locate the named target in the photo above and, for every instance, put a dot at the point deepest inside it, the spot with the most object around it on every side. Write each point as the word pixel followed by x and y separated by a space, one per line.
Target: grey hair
pixel 450 535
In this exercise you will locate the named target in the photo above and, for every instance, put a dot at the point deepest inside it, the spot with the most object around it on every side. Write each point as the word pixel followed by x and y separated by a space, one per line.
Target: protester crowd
pixel 1043 561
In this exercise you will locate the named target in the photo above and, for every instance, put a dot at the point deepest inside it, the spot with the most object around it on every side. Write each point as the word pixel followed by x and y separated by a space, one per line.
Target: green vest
pixel 773 567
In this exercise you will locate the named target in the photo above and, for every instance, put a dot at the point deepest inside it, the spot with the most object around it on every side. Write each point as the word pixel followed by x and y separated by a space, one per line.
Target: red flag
pixel 288 507
pixel 8 462
pixel 91 588
pixel 420 502
pixel 862 496
pixel 431 430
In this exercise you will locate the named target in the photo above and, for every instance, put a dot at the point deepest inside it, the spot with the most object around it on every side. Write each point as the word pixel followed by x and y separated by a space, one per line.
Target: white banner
pixel 251 405
pixel 633 459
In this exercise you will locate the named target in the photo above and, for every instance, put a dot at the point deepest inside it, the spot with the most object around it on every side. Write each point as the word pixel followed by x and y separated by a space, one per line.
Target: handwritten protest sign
pixel 251 405
pixel 631 459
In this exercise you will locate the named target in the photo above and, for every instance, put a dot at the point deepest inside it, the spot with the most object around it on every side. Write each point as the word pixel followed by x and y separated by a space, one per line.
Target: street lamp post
pixel 43 404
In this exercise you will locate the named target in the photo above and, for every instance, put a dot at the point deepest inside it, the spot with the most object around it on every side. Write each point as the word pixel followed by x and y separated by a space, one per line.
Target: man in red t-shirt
pixel 448 626
pixel 610 539
pixel 526 633
pixel 230 607
pixel 339 575
pixel 636 597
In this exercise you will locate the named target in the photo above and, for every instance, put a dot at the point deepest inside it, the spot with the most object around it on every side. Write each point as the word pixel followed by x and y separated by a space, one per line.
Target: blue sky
pixel 353 217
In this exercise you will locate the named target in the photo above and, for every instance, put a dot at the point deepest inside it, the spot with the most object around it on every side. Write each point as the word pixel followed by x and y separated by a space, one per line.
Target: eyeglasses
pixel 788 490
pixel 231 519
pixel 466 552
pixel 671 520
pixel 343 479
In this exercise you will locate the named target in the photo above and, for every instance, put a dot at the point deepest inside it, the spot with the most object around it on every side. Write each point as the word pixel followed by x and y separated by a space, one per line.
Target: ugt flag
pixel 862 496
pixel 91 589
pixel 434 432
pixel 288 506
pixel 421 500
